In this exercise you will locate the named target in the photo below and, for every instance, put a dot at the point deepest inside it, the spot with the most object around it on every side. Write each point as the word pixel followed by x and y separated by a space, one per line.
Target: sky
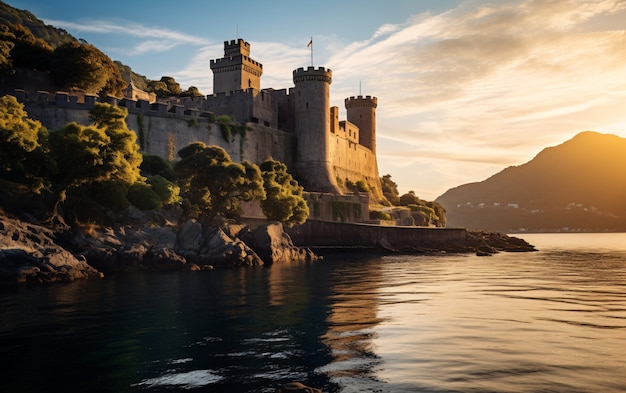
pixel 465 88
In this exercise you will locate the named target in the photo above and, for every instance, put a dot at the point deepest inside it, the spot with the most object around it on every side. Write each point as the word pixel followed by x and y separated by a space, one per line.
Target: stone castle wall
pixel 166 129
pixel 345 235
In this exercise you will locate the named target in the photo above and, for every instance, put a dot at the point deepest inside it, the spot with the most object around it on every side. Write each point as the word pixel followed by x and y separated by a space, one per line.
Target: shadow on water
pixel 246 330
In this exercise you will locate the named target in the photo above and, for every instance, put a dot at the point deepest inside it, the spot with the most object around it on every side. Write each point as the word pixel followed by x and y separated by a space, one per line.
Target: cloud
pixel 158 39
pixel 502 81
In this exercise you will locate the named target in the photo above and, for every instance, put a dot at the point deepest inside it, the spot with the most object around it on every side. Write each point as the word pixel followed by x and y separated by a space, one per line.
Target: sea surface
pixel 547 321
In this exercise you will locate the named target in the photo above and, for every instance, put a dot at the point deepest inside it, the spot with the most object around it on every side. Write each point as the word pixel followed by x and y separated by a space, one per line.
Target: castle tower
pixel 312 128
pixel 236 70
pixel 361 111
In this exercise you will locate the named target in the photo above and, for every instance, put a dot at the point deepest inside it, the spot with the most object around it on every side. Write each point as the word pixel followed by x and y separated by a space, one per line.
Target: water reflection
pixel 351 321
pixel 548 321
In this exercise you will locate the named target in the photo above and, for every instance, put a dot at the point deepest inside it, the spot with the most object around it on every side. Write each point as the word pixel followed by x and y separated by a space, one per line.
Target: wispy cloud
pixel 516 75
pixel 157 39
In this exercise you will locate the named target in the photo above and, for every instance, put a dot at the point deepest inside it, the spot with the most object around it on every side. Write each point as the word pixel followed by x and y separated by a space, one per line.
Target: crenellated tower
pixel 312 127
pixel 236 70
pixel 361 111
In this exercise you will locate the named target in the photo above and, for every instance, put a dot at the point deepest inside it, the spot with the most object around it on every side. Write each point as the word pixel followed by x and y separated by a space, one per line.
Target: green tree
pixel 390 190
pixel 172 86
pixel 142 196
pixel 284 201
pixel 6 65
pixel 27 51
pixel 85 67
pixel 123 147
pixel 440 213
pixel 191 92
pixel 156 165
pixel 104 151
pixel 166 87
pixel 410 199
pixel 168 192
pixel 23 146
pixel 213 185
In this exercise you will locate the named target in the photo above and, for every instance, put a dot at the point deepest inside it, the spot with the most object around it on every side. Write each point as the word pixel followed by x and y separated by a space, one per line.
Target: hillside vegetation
pixel 578 185
pixel 53 36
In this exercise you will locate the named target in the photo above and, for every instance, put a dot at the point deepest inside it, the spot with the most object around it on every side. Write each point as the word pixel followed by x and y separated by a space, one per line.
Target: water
pixel 550 321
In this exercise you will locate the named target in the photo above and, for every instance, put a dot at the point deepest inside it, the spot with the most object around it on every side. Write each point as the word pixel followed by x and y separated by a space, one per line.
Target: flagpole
pixel 311 51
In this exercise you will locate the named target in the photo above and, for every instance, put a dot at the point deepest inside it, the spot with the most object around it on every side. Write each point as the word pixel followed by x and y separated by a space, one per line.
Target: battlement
pixel 367 101
pixel 312 69
pixel 218 64
pixel 64 100
pixel 236 47
pixel 311 74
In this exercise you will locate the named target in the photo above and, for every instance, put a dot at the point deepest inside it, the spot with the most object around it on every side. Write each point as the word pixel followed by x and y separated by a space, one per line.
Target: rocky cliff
pixel 31 252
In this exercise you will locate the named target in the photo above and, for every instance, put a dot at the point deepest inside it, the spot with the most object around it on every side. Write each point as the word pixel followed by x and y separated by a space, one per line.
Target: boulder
pixel 28 253
pixel 127 248
pixel 274 245
pixel 208 245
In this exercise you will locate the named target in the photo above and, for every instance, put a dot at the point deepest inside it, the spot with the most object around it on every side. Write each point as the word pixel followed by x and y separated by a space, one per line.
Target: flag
pixel 310 43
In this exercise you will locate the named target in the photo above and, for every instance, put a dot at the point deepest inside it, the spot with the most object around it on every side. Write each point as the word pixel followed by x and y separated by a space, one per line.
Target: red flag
pixel 310 43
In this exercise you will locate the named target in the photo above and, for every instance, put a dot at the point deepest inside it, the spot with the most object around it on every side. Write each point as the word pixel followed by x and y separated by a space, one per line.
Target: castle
pixel 296 126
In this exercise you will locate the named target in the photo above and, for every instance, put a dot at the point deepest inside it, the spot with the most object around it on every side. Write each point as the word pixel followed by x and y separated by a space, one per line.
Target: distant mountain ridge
pixel 56 37
pixel 53 36
pixel 578 185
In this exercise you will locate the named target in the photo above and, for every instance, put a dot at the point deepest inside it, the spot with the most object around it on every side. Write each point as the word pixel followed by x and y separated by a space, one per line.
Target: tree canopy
pixel 284 201
pixel 26 51
pixel 104 151
pixel 166 87
pixel 85 67
pixel 213 185
pixel 390 190
pixel 23 145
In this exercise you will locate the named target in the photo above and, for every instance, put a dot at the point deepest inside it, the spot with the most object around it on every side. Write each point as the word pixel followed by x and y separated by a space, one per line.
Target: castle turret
pixel 312 128
pixel 236 70
pixel 361 111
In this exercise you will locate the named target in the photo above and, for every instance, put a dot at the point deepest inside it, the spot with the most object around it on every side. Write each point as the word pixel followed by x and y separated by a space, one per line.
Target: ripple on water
pixel 186 380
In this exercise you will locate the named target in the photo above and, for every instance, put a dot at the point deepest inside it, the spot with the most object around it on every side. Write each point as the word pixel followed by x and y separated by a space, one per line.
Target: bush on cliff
pixel 284 201
pixel 390 190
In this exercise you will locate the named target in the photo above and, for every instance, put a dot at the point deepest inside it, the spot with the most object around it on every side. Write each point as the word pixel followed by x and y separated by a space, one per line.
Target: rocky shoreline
pixel 31 252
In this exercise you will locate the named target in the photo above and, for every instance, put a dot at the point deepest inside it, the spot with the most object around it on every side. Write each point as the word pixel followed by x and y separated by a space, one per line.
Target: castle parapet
pixel 236 47
pixel 177 110
pixel 111 100
pixel 367 101
pixel 159 107
pixel 90 100
pixel 224 64
pixel 311 74
pixel 143 105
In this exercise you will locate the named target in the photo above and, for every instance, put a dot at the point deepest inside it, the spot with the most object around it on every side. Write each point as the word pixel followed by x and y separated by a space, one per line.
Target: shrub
pixel 167 191
pixel 142 196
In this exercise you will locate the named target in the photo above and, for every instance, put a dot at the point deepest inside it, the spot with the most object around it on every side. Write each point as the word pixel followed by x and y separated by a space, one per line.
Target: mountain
pixel 579 185
pixel 55 37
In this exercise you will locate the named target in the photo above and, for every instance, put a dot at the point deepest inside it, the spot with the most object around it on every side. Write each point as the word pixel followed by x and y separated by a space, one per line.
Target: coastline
pixel 35 253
